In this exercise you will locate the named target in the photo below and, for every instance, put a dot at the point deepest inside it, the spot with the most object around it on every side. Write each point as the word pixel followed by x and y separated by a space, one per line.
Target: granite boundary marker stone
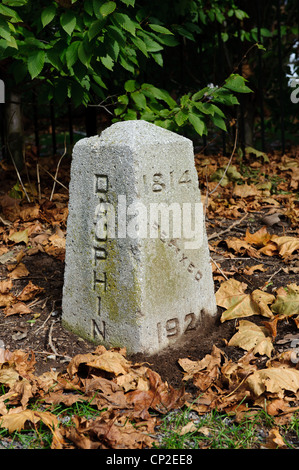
pixel 134 276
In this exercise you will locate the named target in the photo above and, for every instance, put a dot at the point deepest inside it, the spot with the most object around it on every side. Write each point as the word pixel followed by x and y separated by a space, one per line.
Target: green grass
pixel 216 430
pixel 40 437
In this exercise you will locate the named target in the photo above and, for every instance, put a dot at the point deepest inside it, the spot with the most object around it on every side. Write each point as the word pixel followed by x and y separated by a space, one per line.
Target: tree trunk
pixel 14 138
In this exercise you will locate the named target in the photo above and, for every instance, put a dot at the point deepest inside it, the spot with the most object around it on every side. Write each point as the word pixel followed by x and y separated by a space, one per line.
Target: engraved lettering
pixel 159 180
pixel 101 183
pixel 96 331
pixel 100 236
pixel 171 178
pixel 190 319
pixel 104 221
pixel 163 236
pixel 172 328
pixel 172 243
pixel 190 267
pixel 183 258
pixel 159 330
pixel 100 253
pixel 145 183
pixel 158 183
pixel 185 178
pixel 99 281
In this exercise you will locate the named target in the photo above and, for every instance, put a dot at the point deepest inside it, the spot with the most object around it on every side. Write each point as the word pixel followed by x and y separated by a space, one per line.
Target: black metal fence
pixel 49 127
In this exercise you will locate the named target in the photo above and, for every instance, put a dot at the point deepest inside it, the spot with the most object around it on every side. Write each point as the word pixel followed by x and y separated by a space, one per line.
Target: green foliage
pixel 196 110
pixel 86 50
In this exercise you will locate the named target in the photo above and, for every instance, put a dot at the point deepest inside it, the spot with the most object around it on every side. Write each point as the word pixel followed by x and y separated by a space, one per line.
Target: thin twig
pixel 13 161
pixel 18 174
pixel 46 353
pixel 58 164
pixel 215 235
pixel 5 222
pixel 36 302
pixel 270 278
pixel 50 338
pixel 27 172
pixel 218 267
pixel 229 162
pixel 58 182
pixel 227 166
pixel 101 105
pixel 38 182
pixel 42 326
pixel 239 385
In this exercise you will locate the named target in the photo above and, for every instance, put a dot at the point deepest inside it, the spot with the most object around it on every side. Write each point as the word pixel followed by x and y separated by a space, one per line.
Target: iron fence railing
pixel 61 121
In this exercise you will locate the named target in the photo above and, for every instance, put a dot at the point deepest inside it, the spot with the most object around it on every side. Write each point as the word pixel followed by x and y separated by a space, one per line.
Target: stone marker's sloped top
pixel 131 133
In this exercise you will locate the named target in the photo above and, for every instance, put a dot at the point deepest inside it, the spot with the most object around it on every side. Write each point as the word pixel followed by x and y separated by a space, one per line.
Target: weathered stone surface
pixel 127 281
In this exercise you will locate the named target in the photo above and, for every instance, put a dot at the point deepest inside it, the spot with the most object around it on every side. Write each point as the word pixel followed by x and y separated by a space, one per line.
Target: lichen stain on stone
pixel 162 279
pixel 120 310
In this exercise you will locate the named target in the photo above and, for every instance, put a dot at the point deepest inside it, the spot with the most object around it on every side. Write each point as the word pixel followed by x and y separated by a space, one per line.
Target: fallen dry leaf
pixel 29 292
pixel 19 308
pixel 262 299
pixel 231 295
pixel 5 286
pixel 29 212
pixel 160 396
pixel 251 336
pixel 5 355
pixel 76 362
pixel 275 440
pixel 259 238
pixel 238 304
pixel 57 240
pixel 272 325
pixel 67 399
pixel 135 379
pixel 234 372
pixel 15 421
pixel 19 271
pixel 269 250
pixel 110 361
pixel 204 430
pixel 189 427
pixel 265 243
pixel 275 380
pixel 241 246
pixel 109 431
pixel 287 302
pixel 24 390
pixel 9 376
pixel 250 270
pixel 276 406
pixel 286 245
pixel 19 237
pixel 203 372
pixel 7 299
pixel 246 190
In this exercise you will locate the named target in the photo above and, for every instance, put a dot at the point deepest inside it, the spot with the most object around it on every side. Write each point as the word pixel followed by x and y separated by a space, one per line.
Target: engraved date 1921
pixel 174 327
